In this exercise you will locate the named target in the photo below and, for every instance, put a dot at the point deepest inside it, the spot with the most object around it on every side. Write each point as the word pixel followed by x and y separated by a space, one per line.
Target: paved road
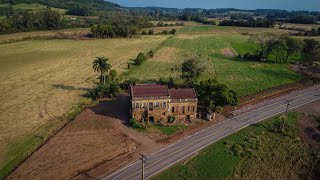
pixel 188 146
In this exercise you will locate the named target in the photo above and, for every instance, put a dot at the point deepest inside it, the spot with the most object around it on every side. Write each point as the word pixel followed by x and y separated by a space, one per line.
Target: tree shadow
pixel 117 108
pixel 69 88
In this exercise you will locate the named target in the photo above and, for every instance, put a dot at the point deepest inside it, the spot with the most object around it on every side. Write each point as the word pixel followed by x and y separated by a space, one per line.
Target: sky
pixel 311 5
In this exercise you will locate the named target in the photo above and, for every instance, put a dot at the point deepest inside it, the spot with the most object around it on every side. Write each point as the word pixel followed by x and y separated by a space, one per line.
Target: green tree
pixel 263 40
pixel 191 70
pixel 278 49
pixel 214 94
pixel 101 65
pixel 140 59
pixel 293 46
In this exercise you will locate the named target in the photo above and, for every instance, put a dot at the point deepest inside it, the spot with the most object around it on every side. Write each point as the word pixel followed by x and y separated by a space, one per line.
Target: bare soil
pixel 95 144
pixel 228 52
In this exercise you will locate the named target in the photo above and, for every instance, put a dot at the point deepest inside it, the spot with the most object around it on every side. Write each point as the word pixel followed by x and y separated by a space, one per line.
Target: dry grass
pixel 20 36
pixel 40 80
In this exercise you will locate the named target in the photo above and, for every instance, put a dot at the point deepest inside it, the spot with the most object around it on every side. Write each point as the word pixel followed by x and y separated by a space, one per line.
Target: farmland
pixel 42 81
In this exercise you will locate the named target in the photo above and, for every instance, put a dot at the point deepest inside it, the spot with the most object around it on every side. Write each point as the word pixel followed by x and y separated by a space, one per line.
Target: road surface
pixel 188 146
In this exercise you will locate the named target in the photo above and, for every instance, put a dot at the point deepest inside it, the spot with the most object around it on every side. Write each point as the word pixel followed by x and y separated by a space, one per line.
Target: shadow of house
pixel 115 108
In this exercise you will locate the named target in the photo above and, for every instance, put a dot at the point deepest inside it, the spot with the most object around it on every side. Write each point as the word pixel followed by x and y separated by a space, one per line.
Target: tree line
pixel 46 20
pixel 248 23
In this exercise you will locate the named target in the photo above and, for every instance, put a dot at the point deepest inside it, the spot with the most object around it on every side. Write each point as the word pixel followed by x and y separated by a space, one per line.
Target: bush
pixel 173 31
pixel 127 83
pixel 140 59
pixel 144 33
pixel 103 91
pixel 151 54
pixel 133 122
pixel 151 32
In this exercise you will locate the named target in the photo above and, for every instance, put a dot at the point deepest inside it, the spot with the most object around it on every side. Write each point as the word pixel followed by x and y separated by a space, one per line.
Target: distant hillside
pixel 95 5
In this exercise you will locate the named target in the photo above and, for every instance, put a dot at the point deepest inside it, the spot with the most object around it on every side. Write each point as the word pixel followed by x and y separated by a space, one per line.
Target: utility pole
pixel 288 104
pixel 143 160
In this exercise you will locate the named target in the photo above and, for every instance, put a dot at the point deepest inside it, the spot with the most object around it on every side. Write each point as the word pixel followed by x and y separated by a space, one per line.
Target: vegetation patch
pixel 169 130
pixel 257 152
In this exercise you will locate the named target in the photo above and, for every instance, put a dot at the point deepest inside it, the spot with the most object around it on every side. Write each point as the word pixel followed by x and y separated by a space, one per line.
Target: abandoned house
pixel 156 103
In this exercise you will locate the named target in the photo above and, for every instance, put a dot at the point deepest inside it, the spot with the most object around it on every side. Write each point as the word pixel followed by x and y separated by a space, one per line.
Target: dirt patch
pixel 309 130
pixel 306 70
pixel 86 142
pixel 97 138
pixel 228 52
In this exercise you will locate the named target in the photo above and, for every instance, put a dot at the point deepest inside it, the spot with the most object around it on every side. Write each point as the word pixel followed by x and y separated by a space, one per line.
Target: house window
pixel 193 108
pixel 172 109
pixel 164 104
pixel 144 105
pixel 137 105
pixel 157 105
pixel 151 106
pixel 188 108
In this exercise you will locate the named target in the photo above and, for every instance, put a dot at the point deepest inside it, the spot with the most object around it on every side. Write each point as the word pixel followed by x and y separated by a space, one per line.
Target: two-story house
pixel 156 103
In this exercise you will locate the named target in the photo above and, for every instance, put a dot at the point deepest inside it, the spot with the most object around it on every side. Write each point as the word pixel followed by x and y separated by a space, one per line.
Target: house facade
pixel 156 103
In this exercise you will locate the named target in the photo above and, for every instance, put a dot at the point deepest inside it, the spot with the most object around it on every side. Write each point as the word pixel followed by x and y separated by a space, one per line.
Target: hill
pixel 95 5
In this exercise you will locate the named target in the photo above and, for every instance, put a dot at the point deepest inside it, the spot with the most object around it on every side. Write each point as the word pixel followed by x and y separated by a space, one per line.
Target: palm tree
pixel 101 65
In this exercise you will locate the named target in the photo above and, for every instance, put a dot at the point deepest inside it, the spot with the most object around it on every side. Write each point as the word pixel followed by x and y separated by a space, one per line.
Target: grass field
pixel 40 81
pixel 245 77
pixel 33 7
pixel 257 152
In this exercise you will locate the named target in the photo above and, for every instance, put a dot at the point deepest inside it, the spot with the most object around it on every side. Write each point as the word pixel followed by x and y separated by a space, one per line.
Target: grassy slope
pixel 257 152
pixel 245 77
pixel 45 78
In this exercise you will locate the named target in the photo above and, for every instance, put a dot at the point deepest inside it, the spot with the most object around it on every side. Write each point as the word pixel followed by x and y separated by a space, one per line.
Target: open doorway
pixel 151 119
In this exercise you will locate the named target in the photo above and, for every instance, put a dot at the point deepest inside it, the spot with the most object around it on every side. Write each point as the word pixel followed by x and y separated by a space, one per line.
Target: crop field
pixel 34 7
pixel 256 152
pixel 41 80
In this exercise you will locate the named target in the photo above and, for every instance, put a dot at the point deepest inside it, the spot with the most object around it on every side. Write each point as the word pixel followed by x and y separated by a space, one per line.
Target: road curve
pixel 188 146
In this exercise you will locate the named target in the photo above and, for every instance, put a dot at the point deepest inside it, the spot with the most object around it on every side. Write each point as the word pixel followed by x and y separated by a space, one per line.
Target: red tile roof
pixel 149 90
pixel 188 93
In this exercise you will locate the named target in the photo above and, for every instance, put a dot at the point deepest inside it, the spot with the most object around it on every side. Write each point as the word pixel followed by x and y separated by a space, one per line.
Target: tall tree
pixel 101 65
pixel 191 70
pixel 264 39
pixel 294 46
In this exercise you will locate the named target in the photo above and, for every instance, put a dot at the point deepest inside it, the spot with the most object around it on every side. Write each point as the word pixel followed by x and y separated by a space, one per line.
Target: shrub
pixel 173 31
pixel 133 123
pixel 127 83
pixel 102 91
pixel 144 32
pixel 171 119
pixel 151 32
pixel 151 54
pixel 140 59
